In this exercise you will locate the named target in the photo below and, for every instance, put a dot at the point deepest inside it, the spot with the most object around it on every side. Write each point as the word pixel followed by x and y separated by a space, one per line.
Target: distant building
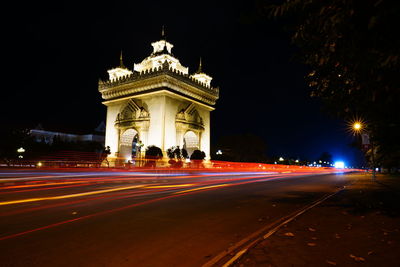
pixel 42 135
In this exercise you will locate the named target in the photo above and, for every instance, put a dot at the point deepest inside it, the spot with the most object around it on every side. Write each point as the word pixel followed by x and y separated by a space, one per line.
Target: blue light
pixel 339 165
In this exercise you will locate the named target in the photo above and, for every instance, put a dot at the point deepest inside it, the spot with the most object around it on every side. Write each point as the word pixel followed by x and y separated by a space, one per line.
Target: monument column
pixel 170 127
pixel 112 133
pixel 205 135
pixel 156 106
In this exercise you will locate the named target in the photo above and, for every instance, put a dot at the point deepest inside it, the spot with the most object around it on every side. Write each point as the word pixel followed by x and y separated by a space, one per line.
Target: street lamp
pixel 358 127
pixel 20 151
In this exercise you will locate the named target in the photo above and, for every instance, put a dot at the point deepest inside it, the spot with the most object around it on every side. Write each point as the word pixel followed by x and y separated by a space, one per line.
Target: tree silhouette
pixel 353 51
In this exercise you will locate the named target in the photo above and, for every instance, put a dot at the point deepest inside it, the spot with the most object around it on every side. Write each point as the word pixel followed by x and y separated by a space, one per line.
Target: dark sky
pixel 55 54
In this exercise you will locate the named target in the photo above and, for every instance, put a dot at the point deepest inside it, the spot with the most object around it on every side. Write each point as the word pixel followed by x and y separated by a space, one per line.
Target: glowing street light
pixel 357 126
pixel 20 151
pixel 281 159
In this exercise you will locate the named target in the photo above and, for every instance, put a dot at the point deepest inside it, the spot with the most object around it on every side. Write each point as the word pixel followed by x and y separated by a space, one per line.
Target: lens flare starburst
pixel 356 126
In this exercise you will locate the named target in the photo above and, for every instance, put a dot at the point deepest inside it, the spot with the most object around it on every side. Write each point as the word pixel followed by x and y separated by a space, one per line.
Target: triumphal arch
pixel 157 103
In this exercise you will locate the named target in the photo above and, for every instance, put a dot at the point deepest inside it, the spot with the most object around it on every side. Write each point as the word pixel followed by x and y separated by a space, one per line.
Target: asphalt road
pixel 60 218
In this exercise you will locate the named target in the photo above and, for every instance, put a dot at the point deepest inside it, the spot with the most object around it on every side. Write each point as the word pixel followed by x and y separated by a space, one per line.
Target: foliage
pixel 176 155
pixel 83 146
pixel 184 153
pixel 325 159
pixel 175 152
pixel 12 139
pixel 198 155
pixel 354 55
pixel 153 152
pixel 242 148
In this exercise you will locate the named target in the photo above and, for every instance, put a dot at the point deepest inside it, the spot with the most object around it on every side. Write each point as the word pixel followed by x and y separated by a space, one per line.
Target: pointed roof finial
pixel 163 32
pixel 121 62
pixel 199 70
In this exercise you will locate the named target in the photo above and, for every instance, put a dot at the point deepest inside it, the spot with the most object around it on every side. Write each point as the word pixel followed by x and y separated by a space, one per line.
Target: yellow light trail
pixel 69 196
pixel 169 186
pixel 201 188
pixel 45 184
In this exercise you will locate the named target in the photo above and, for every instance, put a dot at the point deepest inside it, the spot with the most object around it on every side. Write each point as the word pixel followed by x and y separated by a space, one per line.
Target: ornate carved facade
pixel 158 103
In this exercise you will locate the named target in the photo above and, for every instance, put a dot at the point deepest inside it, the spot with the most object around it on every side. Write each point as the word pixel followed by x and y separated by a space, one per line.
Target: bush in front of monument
pixel 197 155
pixel 152 154
pixel 176 156
pixel 197 158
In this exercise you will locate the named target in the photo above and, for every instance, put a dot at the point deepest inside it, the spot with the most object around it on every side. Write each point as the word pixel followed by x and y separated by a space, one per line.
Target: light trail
pixel 122 174
pixel 43 189
pixel 43 184
pixel 208 181
pixel 96 214
pixel 68 196
pixel 173 195
pixel 200 188
pixel 169 186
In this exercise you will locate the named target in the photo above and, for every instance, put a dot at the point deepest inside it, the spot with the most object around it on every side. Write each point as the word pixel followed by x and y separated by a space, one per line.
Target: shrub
pixel 198 155
pixel 153 152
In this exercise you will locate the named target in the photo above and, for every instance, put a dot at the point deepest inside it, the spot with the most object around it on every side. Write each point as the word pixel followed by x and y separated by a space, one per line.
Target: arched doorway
pixel 190 142
pixel 127 145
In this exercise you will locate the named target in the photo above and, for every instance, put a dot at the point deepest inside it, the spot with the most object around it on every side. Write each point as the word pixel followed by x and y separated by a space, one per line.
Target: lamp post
pixel 358 128
pixel 20 151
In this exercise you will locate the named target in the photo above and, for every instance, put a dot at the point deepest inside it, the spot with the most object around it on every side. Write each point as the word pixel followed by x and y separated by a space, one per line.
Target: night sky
pixel 56 53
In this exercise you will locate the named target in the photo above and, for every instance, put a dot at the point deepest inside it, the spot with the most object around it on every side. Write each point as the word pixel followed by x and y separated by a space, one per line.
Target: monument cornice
pixel 163 91
pixel 159 79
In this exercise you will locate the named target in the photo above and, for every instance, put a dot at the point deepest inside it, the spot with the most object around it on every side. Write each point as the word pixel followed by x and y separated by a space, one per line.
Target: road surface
pixel 88 218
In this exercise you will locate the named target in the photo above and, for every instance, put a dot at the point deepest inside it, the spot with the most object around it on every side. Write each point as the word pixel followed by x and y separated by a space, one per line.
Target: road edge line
pixel 275 226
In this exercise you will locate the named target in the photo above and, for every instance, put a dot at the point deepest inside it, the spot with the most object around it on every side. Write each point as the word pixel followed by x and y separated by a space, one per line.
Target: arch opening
pixel 127 145
pixel 190 142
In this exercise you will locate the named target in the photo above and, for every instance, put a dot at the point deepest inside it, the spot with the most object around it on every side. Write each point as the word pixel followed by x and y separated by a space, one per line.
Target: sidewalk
pixel 358 227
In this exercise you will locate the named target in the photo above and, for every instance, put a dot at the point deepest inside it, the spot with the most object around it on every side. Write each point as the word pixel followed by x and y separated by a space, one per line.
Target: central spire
pixel 163 37
pixel 199 70
pixel 162 46
pixel 121 62
pixel 162 54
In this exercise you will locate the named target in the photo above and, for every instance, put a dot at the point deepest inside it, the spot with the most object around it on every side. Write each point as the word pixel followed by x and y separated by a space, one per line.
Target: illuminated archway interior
pixel 190 142
pixel 127 144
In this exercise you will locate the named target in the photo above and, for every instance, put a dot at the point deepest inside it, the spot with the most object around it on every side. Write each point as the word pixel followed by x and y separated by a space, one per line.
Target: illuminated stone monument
pixel 158 103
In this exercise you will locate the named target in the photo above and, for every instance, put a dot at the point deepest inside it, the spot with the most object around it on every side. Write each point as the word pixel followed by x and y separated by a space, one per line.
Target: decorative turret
pixel 160 67
pixel 162 51
pixel 162 46
pixel 120 71
pixel 201 76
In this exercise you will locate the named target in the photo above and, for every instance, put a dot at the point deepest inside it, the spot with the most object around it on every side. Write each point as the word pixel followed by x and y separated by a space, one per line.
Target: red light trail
pixel 95 188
